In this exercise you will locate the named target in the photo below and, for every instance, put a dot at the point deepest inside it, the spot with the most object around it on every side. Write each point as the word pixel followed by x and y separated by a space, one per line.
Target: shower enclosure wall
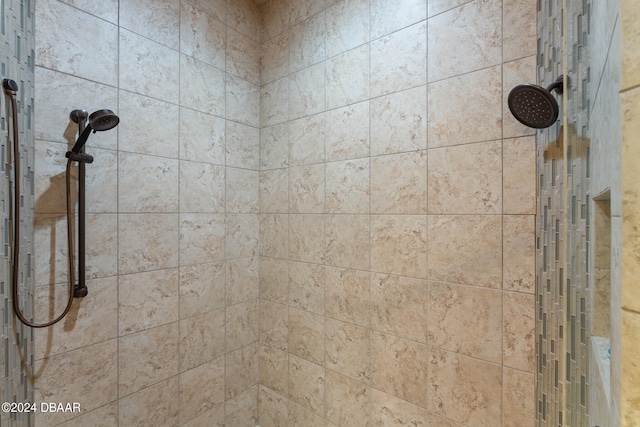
pixel 299 220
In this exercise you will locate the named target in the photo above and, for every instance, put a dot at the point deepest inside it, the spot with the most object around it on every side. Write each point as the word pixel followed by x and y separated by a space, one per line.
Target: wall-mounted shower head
pixel 535 106
pixel 100 120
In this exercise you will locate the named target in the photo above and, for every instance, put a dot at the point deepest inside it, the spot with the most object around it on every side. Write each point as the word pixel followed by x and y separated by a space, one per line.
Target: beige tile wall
pixel 168 333
pixel 397 202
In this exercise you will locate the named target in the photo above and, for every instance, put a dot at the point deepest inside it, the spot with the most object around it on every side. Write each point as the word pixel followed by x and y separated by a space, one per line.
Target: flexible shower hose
pixel 16 233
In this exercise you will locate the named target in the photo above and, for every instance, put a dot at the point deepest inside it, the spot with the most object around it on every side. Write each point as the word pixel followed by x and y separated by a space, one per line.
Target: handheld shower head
pixel 100 120
pixel 533 105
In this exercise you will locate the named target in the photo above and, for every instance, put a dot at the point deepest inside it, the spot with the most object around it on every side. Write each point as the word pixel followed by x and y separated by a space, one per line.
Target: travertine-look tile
pixel 146 67
pixel 160 190
pixel 242 280
pixel 242 409
pixel 518 397
pixel 202 187
pixel 243 57
pixel 201 288
pixel 399 367
pixel 147 242
pixel 306 335
pixel 242 190
pixel 214 417
pixel 243 146
pixel 438 6
pixel 274 191
pixel 519 179
pixel 147 300
pixel 274 236
pixel 519 327
pixel 347 238
pixel 348 350
pixel 347 25
pixel 101 191
pixel 241 325
pixel 399 306
pixel 274 325
pixel 272 408
pixel 473 31
pixel 347 188
pixel 629 13
pixel 153 406
pixel 307 42
pixel 242 103
pixel 466 179
pixel 306 385
pixel 347 401
pixel 241 370
pixel 202 37
pixel 58 50
pixel 202 137
pixel 50 266
pixel 244 17
pixel 306 140
pixel 519 253
pixel 274 369
pixel 105 416
pixel 201 339
pixel 306 189
pixel 519 19
pixel 299 416
pixel 399 245
pixel 242 233
pixel 202 238
pixel 147 357
pixel 466 390
pixel 201 390
pixel 436 420
pixel 348 295
pixel 399 122
pixel 466 249
pixel 95 312
pixel 202 86
pixel 347 77
pixel 274 58
pixel 306 238
pixel 94 372
pixel 101 248
pixel 302 10
pixel 159 139
pixel 451 120
pixel 388 16
pixel 158 21
pixel 215 8
pixel 399 60
pixel 386 410
pixel 274 280
pixel 630 362
pixel 466 320
pixel 347 133
pixel 274 102
pixel 406 193
pixel 306 91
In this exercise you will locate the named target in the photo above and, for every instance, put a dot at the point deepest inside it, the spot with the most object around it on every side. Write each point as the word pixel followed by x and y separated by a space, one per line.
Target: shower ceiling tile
pixel 473 31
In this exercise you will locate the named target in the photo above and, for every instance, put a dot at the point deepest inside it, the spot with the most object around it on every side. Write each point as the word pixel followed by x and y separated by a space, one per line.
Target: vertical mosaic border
pixel 562 233
pixel 17 63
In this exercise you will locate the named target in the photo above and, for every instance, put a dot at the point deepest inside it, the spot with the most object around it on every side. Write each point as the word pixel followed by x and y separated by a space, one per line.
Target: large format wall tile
pixel 155 20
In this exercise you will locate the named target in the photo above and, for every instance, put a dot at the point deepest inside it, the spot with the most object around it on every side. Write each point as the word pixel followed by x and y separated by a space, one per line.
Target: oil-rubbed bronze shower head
pixel 535 106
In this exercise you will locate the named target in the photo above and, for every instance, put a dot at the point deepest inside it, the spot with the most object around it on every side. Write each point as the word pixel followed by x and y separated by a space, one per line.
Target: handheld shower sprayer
pixel 100 120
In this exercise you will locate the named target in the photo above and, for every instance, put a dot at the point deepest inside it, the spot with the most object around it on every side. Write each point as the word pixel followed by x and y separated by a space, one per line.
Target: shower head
pixel 100 120
pixel 103 120
pixel 533 105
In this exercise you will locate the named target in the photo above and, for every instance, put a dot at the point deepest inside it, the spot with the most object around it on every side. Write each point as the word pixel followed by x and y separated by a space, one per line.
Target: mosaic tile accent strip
pixel 16 345
pixel 562 229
